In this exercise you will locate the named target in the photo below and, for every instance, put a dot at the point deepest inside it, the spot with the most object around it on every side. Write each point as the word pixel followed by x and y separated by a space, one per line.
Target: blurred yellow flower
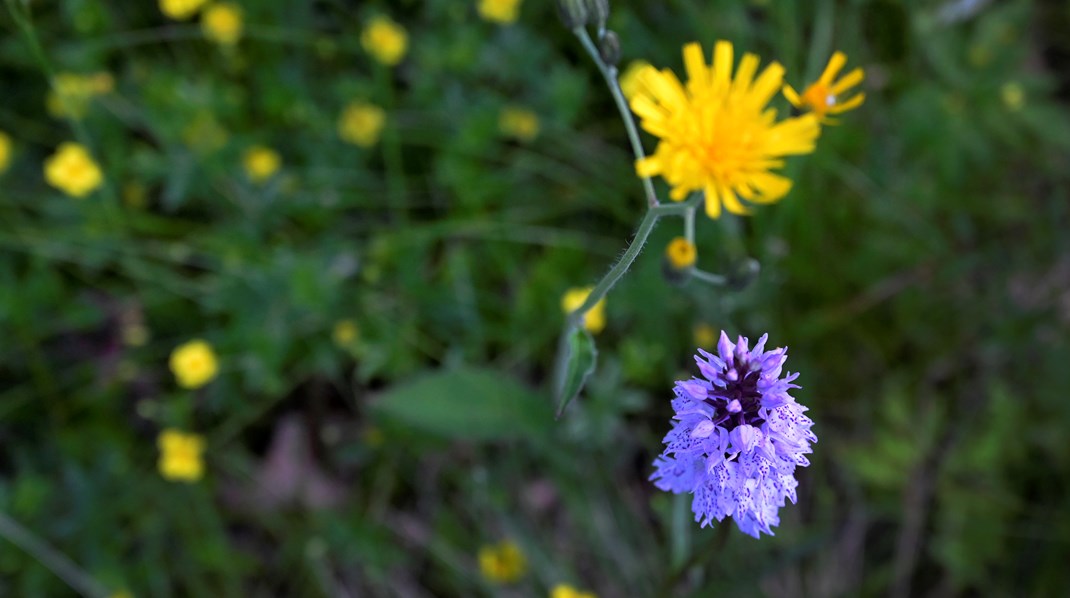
pixel 71 93
pixel 181 456
pixel 823 97
pixel 521 123
pixel 499 11
pixel 681 253
pixel 595 318
pixel 361 123
pixel 5 151
pixel 72 170
pixel 503 562
pixel 193 364
pixel 716 135
pixel 344 333
pixel 563 590
pixel 704 336
pixel 260 163
pixel 180 10
pixel 222 23
pixel 1012 94
pixel 385 40
pixel 204 134
pixel 629 78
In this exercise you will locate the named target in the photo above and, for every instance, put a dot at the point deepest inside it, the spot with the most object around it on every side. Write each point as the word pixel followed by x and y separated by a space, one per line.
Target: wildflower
pixel 1012 94
pixel 716 134
pixel 563 590
pixel 503 562
pixel 344 333
pixel 72 170
pixel 499 11
pixel 822 97
pixel 361 123
pixel 680 253
pixel 737 438
pixel 72 93
pixel 222 23
pixel 520 123
pixel 194 364
pixel 595 318
pixel 180 10
pixel 5 151
pixel 629 78
pixel 385 40
pixel 260 163
pixel 704 335
pixel 180 456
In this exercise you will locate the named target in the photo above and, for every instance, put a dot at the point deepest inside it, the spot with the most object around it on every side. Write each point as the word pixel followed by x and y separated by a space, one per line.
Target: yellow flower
pixel 222 23
pixel 180 10
pixel 629 78
pixel 502 562
pixel 71 93
pixel 563 590
pixel 704 336
pixel 260 163
pixel 823 97
pixel 520 123
pixel 595 318
pixel 344 333
pixel 1012 93
pixel 5 151
pixel 72 170
pixel 194 364
pixel 361 123
pixel 499 11
pixel 716 135
pixel 385 40
pixel 681 253
pixel 180 456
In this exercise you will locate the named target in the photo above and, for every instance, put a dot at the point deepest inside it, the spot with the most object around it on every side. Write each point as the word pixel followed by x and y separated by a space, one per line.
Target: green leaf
pixel 466 404
pixel 579 365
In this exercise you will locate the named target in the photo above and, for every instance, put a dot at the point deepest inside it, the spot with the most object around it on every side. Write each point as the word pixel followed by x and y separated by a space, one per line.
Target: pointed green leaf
pixel 579 365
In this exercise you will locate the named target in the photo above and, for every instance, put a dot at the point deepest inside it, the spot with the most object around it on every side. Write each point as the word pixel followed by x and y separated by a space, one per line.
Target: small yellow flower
pixel 180 10
pixel 1012 94
pixel 222 23
pixel 503 562
pixel 260 163
pixel 499 11
pixel 595 318
pixel 629 78
pixel 5 151
pixel 704 336
pixel 385 40
pixel 181 456
pixel 344 333
pixel 823 97
pixel 716 134
pixel 521 123
pixel 361 124
pixel 194 364
pixel 681 253
pixel 563 590
pixel 72 170
pixel 72 93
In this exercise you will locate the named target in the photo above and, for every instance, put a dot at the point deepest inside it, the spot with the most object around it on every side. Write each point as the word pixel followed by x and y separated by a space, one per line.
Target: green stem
pixel 392 155
pixel 56 562
pixel 610 75
pixel 714 279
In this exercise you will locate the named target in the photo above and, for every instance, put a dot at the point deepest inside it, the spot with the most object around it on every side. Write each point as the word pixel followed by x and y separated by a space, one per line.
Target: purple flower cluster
pixel 737 437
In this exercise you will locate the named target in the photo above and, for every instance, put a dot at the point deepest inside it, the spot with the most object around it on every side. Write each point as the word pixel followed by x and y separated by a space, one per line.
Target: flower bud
pixel 573 13
pixel 609 48
pixel 598 12
pixel 678 260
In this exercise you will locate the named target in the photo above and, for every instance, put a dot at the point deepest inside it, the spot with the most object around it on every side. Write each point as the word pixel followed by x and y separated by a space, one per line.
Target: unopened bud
pixel 598 12
pixel 744 274
pixel 609 48
pixel 573 13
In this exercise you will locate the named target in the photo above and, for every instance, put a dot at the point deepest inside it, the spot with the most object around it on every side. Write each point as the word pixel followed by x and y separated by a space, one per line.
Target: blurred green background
pixel 385 314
